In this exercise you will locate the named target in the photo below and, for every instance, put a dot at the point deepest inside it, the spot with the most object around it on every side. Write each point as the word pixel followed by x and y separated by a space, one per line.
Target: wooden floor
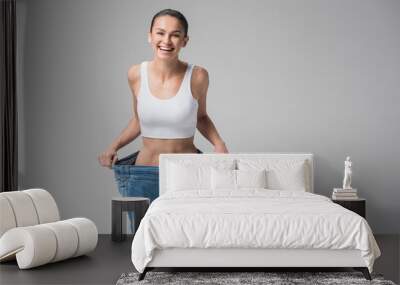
pixel 111 259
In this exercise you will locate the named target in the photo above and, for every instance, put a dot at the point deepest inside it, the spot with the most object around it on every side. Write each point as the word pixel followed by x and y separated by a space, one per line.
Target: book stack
pixel 344 194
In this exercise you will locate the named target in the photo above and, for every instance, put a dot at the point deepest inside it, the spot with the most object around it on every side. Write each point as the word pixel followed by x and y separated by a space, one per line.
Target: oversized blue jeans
pixel 136 180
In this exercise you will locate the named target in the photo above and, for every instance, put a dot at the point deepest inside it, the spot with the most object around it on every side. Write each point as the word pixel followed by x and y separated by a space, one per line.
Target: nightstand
pixel 356 205
pixel 138 205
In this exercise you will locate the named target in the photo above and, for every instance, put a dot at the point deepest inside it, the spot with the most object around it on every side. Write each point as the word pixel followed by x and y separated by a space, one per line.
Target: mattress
pixel 251 219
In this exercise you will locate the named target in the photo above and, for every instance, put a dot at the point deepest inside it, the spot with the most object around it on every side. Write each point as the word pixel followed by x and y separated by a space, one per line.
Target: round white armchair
pixel 32 233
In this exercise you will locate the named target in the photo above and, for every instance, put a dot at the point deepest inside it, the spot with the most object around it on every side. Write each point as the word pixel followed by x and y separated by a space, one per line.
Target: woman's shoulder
pixel 199 75
pixel 199 81
pixel 134 72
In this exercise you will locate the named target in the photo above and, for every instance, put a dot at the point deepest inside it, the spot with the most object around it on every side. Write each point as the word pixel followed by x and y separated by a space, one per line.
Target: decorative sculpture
pixel 347 174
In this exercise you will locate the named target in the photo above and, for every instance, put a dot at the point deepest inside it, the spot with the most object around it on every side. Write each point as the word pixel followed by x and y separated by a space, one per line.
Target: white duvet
pixel 251 218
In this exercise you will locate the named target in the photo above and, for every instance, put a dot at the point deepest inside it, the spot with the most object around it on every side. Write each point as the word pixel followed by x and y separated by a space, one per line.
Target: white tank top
pixel 171 118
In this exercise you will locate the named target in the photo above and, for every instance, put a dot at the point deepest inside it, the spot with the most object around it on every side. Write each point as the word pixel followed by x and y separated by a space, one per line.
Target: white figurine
pixel 347 174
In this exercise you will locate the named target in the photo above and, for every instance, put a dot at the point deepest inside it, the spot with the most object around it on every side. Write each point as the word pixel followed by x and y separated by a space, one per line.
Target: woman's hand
pixel 220 148
pixel 108 157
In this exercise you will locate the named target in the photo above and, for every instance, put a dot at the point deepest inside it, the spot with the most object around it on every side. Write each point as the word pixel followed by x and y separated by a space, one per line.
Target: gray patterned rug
pixel 231 278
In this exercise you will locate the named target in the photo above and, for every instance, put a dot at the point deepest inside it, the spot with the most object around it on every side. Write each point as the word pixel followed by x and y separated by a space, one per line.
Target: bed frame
pixel 245 258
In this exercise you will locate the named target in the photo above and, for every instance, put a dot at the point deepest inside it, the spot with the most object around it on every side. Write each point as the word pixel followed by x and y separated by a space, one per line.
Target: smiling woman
pixel 169 103
pixel 181 30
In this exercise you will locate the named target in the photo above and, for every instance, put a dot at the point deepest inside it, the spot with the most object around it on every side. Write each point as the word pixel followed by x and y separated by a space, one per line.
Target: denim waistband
pixel 135 169
pixel 126 166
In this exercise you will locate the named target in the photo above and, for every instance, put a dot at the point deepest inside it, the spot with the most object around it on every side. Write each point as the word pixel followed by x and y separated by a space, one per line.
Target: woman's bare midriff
pixel 152 148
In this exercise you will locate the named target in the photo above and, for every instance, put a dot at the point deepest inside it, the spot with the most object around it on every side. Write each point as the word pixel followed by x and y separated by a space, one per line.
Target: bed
pixel 248 210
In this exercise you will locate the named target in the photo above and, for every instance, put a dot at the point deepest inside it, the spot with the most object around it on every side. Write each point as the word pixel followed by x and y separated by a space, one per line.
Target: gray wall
pixel 285 76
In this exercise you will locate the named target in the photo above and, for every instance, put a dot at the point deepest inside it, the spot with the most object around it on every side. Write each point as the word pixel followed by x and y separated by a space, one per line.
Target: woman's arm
pixel 205 125
pixel 132 131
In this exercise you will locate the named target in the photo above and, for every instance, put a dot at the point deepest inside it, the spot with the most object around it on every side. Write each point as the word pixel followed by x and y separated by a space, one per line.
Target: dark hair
pixel 173 13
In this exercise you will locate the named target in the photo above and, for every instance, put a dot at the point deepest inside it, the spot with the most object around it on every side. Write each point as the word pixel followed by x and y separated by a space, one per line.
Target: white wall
pixel 286 76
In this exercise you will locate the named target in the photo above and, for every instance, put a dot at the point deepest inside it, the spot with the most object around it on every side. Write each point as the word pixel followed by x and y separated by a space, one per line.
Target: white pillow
pixel 251 178
pixel 223 179
pixel 237 179
pixel 196 174
pixel 282 174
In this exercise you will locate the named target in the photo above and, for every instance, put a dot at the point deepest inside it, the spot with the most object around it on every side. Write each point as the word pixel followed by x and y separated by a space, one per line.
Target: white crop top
pixel 171 118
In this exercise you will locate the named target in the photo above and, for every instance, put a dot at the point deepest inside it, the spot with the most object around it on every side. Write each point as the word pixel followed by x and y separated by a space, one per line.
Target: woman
pixel 169 102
